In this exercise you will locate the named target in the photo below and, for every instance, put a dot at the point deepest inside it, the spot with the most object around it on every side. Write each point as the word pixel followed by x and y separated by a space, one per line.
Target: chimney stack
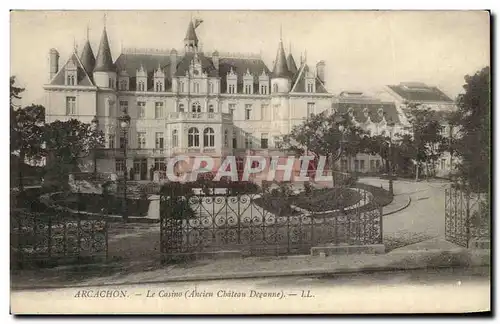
pixel 53 63
pixel 320 71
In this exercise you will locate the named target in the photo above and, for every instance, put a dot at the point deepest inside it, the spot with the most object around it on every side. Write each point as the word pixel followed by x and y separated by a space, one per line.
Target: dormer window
pixel 310 87
pixel 141 86
pixel 123 85
pixel 263 89
pixel 181 86
pixel 231 88
pixel 275 87
pixel 111 83
pixel 248 89
pixel 232 80
pixel 211 87
pixel 71 73
pixel 70 80
pixel 196 87
pixel 159 86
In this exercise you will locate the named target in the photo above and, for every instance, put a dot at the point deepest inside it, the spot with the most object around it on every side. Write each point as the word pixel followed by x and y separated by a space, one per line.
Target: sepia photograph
pixel 250 162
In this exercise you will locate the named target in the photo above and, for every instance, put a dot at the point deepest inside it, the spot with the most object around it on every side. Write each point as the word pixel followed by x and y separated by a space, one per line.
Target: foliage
pixel 67 142
pixel 473 120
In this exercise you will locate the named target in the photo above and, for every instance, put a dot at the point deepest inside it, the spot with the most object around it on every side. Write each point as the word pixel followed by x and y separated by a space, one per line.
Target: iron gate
pixel 466 216
pixel 241 223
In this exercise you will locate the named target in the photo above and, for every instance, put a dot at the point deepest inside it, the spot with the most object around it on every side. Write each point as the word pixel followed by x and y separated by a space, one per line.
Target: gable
pixel 83 79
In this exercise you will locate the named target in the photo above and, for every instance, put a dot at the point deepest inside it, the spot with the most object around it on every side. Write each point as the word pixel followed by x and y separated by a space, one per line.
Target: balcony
pixel 204 117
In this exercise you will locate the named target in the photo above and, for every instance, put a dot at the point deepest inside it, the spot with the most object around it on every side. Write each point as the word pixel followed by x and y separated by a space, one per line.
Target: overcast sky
pixel 363 50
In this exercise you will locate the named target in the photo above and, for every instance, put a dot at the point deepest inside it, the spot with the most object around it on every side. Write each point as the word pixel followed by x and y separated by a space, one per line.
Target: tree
pixel 26 131
pixel 321 135
pixel 67 142
pixel 427 140
pixel 474 130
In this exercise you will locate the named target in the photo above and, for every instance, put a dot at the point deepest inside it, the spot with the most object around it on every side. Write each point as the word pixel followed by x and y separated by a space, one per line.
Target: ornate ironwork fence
pixel 467 216
pixel 223 222
pixel 49 237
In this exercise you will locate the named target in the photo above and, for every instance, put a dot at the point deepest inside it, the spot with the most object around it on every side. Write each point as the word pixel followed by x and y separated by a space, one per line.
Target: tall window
pixel 141 86
pixel 310 87
pixel 235 140
pixel 211 108
pixel 275 87
pixel 175 138
pixel 208 137
pixel 111 141
pixel 120 166
pixel 141 140
pixel 248 111
pixel 158 110
pixel 111 83
pixel 276 109
pixel 123 141
pixel 196 87
pixel 181 86
pixel 124 106
pixel 264 140
pixel 232 108
pixel 141 109
pixel 196 107
pixel 211 87
pixel 180 108
pixel 248 140
pixel 248 88
pixel 70 105
pixel 160 164
pixel 159 140
pixel 123 85
pixel 232 88
pixel 362 165
pixel 226 139
pixel 264 111
pixel 193 137
pixel 310 109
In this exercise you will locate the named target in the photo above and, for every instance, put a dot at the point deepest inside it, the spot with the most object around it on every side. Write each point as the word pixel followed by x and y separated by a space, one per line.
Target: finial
pixel 104 20
pixel 290 47
pixel 281 32
pixel 305 56
pixel 88 31
pixel 75 46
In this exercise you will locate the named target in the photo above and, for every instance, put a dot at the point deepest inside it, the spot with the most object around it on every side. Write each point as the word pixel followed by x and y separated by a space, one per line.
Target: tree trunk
pixel 20 170
pixel 332 166
pixel 417 171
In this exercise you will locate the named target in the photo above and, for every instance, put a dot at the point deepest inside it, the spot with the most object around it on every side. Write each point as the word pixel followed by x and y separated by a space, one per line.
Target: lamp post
pixel 338 154
pixel 124 122
pixel 390 127
pixel 95 127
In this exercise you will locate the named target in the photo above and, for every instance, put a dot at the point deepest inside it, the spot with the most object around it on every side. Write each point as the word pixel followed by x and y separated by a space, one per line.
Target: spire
pixel 87 57
pixel 191 39
pixel 104 61
pixel 290 61
pixel 280 69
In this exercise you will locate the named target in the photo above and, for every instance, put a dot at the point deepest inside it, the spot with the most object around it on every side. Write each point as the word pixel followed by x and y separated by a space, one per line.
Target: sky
pixel 363 50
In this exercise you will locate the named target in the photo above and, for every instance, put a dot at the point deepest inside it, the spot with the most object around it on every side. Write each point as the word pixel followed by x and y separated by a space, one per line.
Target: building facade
pixel 182 102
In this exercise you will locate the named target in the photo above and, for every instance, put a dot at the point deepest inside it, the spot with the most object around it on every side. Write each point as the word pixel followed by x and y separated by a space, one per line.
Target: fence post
pixel 381 215
pixel 49 233
pixel 467 219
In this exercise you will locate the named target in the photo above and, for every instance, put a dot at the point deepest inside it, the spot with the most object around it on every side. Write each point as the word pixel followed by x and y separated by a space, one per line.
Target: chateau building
pixel 182 102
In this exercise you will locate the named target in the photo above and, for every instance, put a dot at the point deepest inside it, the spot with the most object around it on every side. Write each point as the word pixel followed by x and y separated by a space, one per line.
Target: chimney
pixel 320 71
pixel 215 60
pixel 53 63
pixel 173 62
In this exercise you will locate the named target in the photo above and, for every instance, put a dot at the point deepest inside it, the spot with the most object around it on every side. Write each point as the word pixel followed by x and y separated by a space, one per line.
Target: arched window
pixel 193 137
pixel 196 107
pixel 175 138
pixel 211 108
pixel 235 140
pixel 275 87
pixel 196 87
pixel 226 139
pixel 159 87
pixel 181 108
pixel 209 137
pixel 141 86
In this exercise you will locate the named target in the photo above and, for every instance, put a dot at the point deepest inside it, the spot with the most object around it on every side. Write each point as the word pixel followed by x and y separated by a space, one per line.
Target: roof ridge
pixel 301 70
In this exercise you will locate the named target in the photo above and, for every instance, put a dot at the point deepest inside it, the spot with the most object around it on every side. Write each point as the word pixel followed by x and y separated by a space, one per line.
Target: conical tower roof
pixel 290 62
pixel 87 57
pixel 280 69
pixel 104 61
pixel 191 34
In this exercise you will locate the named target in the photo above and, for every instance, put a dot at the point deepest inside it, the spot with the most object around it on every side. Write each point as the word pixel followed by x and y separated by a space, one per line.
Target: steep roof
pixel 290 62
pixel 280 69
pixel 371 107
pixel 131 62
pixel 191 34
pixel 87 57
pixel 419 92
pixel 82 79
pixel 104 60
pixel 299 81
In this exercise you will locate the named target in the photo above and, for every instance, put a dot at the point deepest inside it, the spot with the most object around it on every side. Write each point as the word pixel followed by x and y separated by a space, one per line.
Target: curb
pixel 418 260
pixel 399 209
